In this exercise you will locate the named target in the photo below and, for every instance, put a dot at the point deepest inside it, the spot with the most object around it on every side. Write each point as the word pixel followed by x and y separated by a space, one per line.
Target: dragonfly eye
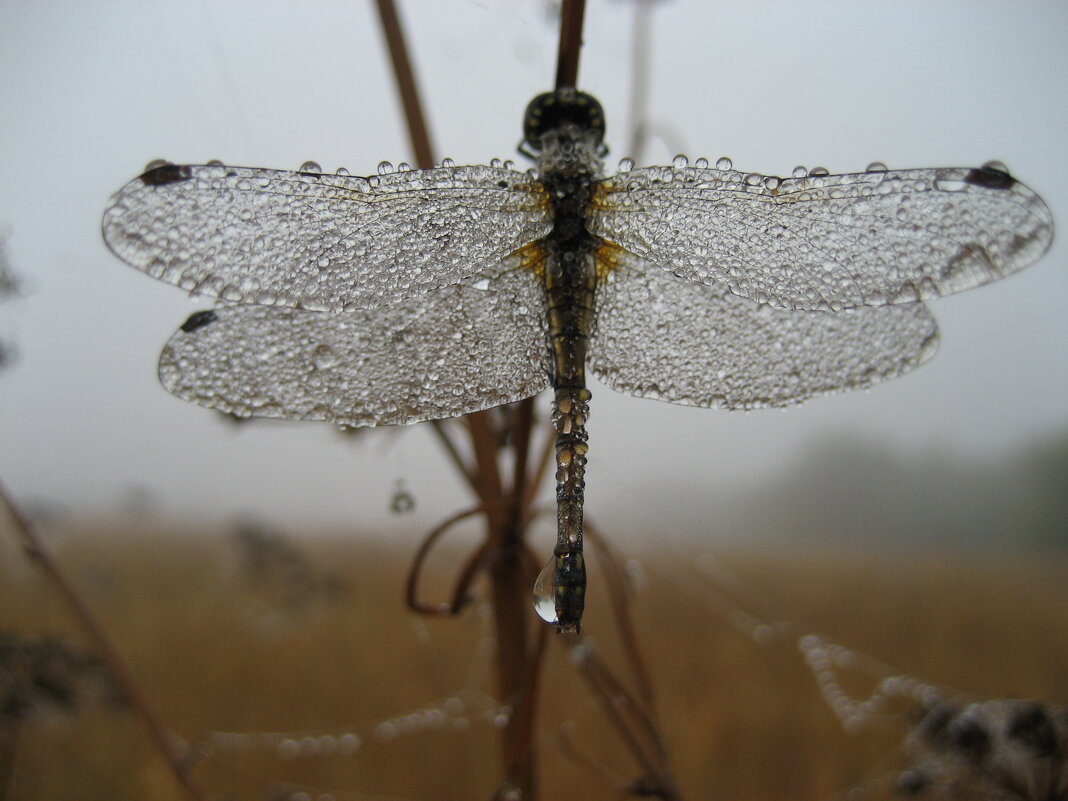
pixel 553 110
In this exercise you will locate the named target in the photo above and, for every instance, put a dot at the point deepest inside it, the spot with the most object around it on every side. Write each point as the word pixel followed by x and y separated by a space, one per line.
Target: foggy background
pixel 969 447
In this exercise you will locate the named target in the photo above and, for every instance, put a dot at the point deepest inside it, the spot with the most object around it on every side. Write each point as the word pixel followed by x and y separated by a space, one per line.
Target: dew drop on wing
pixel 724 163
pixel 544 604
pixel 166 173
pixel 311 167
pixel 198 320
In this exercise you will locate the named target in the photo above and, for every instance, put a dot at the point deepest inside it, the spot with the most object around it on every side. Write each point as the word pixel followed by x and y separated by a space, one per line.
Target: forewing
pixel 321 242
pixel 828 241
pixel 452 351
pixel 658 336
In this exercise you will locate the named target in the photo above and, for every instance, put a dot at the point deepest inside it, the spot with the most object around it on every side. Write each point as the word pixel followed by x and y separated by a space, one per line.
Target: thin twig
pixel 35 549
pixel 504 553
pixel 620 603
pixel 406 88
pixel 637 729
pixel 454 454
pixel 567 60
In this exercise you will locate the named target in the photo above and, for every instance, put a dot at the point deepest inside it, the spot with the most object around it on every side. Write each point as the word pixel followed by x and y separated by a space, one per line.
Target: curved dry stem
pixel 411 593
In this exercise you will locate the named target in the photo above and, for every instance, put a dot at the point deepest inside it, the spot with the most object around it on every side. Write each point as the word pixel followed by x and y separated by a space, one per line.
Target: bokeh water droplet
pixel 544 604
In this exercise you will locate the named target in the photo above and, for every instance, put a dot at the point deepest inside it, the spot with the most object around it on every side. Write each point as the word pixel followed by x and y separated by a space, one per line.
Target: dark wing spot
pixel 502 184
pixel 198 320
pixel 167 174
pixel 990 177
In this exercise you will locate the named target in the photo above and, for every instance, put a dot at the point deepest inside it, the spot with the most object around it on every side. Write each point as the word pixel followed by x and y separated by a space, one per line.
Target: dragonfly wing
pixel 657 336
pixel 828 241
pixel 449 352
pixel 321 242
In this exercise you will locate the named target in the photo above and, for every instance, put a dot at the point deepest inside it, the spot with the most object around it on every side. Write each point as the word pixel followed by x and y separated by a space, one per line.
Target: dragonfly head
pixel 552 111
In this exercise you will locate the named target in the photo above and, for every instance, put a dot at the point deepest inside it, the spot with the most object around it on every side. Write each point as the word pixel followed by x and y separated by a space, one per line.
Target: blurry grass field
pixel 216 650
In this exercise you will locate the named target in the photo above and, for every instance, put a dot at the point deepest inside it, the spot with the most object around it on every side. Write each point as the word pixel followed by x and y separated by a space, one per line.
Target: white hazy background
pixel 90 92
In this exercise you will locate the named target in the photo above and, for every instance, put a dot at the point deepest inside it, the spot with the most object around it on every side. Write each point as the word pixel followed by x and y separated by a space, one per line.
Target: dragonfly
pixel 416 295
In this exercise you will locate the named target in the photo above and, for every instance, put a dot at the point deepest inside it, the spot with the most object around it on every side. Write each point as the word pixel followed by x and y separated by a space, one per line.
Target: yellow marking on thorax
pixel 606 259
pixel 532 256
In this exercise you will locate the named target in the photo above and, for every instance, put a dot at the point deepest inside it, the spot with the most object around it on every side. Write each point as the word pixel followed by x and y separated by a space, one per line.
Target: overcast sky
pixel 92 91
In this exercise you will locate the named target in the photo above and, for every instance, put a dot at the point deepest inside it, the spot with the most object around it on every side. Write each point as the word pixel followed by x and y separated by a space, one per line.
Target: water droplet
pixel 772 182
pixel 404 166
pixel 753 179
pixel 448 163
pixel 800 171
pixel 310 166
pixel 495 163
pixel 819 171
pixel 701 164
pixel 342 171
pixel 385 167
pixel 724 163
pixel 324 357
pixel 402 501
pixel 215 163
pixel 680 162
pixel 626 165
pixel 875 166
pixel 544 604
pixel 996 165
pixel 155 164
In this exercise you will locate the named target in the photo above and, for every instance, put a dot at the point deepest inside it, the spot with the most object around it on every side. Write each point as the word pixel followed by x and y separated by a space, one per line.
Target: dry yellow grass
pixel 742 720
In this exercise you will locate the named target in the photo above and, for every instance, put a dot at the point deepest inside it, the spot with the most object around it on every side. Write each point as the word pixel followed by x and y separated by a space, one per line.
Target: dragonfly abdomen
pixel 570 281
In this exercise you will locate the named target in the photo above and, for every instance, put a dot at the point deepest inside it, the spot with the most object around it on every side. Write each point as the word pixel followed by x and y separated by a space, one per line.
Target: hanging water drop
pixel 342 171
pixel 724 163
pixel 385 167
pixel 448 163
pixel 404 166
pixel 402 501
pixel 680 162
pixel 875 166
pixel 800 172
pixel 819 171
pixel 311 166
pixel 626 165
pixel 701 164
pixel 544 604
